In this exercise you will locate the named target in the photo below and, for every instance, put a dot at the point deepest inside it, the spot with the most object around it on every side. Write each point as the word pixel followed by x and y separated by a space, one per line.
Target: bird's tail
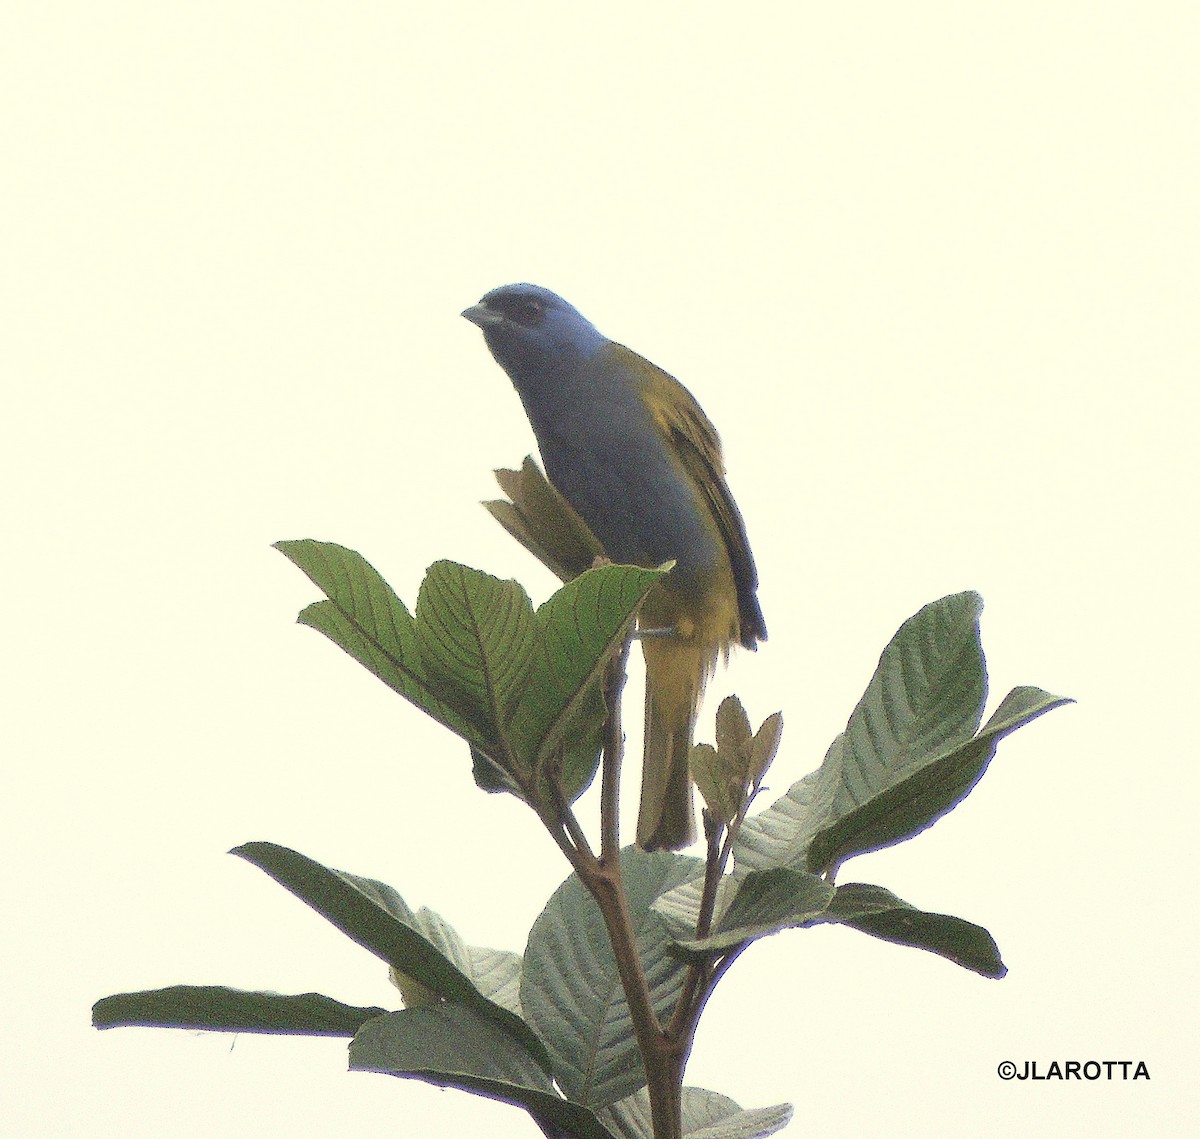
pixel 675 674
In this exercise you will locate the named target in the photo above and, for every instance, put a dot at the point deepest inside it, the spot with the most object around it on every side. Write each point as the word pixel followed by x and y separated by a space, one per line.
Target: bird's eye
pixel 525 311
pixel 529 311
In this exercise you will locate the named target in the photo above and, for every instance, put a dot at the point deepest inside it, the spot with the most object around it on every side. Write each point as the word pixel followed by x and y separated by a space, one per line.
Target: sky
pixel 931 270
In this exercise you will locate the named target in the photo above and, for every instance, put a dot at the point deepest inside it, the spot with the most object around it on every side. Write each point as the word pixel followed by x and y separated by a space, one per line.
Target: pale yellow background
pixel 931 269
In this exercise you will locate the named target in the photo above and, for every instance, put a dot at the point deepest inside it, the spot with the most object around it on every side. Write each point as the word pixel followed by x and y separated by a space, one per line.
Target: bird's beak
pixel 482 315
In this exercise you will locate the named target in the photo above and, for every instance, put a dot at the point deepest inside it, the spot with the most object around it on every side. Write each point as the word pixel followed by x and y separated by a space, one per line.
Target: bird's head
pixel 532 331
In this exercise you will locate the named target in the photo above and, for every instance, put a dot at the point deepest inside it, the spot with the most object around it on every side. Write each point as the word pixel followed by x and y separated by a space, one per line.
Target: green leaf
pixel 880 913
pixel 925 698
pixel 453 1046
pixel 908 755
pixel 1018 708
pixel 377 918
pixel 489 776
pixel 706 1115
pixel 765 745
pixel 579 629
pixel 766 902
pixel 922 794
pixel 712 781
pixel 571 991
pixel 728 775
pixel 364 617
pixel 476 636
pixel 680 906
pixel 782 834
pixel 775 898
pixel 582 738
pixel 495 973
pixel 215 1008
pixel 519 687
pixel 733 731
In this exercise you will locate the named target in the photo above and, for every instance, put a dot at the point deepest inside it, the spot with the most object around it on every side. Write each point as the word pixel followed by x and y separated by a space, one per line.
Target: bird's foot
pixel 657 634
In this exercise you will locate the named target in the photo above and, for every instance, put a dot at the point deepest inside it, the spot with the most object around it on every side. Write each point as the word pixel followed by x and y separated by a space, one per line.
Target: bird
pixel 629 448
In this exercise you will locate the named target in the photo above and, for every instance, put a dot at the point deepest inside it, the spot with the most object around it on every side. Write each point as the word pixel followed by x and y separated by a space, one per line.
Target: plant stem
pixel 656 1047
pixel 570 822
pixel 610 772
pixel 662 1055
pixel 699 980
pixel 603 879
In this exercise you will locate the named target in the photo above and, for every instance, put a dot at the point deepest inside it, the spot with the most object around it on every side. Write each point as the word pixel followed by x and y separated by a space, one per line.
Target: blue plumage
pixel 630 449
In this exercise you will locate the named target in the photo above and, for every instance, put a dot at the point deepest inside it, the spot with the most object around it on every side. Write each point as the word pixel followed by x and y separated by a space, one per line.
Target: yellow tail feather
pixel 675 673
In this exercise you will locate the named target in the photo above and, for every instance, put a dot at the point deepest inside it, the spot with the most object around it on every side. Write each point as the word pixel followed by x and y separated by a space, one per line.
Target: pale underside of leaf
pixel 453 1046
pixel 375 916
pixel 706 1115
pixel 571 991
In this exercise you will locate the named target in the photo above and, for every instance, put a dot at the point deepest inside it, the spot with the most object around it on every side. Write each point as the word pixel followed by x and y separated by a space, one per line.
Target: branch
pixel 564 818
pixel 610 773
pixel 603 880
pixel 702 977
pixel 604 883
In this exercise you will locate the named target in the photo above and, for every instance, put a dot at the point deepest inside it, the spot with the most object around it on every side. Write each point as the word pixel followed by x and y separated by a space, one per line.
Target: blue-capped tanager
pixel 630 449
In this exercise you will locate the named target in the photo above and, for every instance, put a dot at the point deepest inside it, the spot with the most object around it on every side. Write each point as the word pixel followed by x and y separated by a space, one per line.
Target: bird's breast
pixel 606 455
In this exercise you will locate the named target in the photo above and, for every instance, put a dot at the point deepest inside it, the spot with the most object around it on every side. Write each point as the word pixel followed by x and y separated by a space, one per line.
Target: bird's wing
pixel 691 435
